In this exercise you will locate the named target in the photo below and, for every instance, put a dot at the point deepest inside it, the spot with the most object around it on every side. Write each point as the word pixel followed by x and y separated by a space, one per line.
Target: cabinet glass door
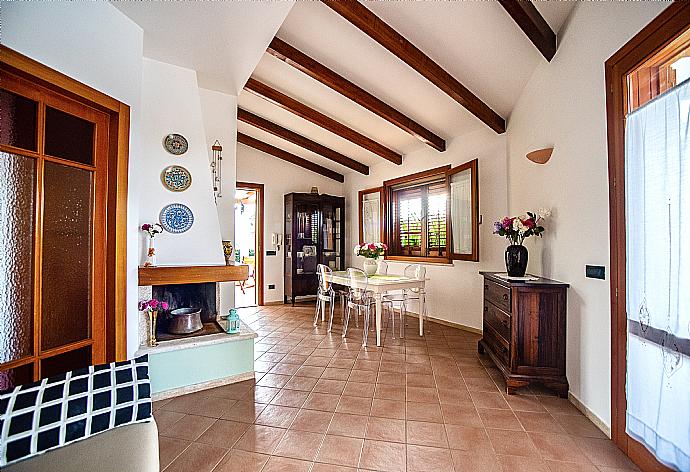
pixel 307 238
pixel 331 236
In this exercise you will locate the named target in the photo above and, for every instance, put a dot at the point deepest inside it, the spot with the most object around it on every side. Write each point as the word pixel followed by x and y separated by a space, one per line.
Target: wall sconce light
pixel 217 169
pixel 540 156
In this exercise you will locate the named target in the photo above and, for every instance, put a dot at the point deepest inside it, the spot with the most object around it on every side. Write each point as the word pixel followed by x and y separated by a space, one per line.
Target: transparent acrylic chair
pixel 359 298
pixel 413 271
pixel 324 294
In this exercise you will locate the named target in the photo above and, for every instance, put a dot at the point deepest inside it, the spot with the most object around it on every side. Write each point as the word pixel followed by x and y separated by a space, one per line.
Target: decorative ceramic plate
pixel 175 144
pixel 176 218
pixel 176 178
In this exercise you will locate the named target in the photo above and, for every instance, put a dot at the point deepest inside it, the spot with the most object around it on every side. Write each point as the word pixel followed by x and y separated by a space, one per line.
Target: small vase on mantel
pixel 516 260
pixel 370 266
pixel 151 253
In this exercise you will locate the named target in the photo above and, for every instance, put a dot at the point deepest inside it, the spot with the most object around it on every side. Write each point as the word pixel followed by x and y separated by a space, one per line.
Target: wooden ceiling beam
pixel 290 136
pixel 300 61
pixel 289 157
pixel 378 30
pixel 319 119
pixel 530 21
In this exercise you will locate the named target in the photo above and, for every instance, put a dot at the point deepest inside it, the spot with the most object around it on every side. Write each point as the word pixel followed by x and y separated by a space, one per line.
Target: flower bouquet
pixel 152 229
pixel 151 307
pixel 371 252
pixel 516 229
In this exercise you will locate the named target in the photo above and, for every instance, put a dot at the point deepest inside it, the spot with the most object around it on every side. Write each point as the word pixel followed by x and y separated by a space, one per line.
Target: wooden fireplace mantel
pixel 171 275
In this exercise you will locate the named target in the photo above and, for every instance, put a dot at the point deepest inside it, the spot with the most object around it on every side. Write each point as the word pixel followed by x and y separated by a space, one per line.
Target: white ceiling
pixel 222 41
pixel 476 42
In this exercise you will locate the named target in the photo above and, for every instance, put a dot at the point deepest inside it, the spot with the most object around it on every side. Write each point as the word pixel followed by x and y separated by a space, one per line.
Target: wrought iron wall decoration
pixel 217 168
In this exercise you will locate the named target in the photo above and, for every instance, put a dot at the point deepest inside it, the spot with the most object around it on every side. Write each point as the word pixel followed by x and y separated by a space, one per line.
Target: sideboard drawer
pixel 498 319
pixel 497 294
pixel 497 344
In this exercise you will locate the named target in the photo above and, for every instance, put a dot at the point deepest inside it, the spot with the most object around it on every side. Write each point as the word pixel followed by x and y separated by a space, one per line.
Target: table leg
pixel 422 303
pixel 378 319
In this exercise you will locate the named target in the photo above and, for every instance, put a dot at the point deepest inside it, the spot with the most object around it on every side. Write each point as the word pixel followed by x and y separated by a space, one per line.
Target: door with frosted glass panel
pixel 53 158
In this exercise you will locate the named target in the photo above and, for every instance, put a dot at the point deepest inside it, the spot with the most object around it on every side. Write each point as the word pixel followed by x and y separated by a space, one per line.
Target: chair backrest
pixel 359 281
pixel 324 273
pixel 415 271
pixel 383 268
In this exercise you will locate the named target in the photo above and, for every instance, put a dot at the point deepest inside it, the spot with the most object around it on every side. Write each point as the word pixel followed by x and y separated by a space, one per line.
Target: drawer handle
pixel 486 308
pixel 505 297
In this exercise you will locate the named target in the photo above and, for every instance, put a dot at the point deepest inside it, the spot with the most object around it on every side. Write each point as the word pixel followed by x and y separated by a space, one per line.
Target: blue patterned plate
pixel 176 178
pixel 176 218
pixel 175 144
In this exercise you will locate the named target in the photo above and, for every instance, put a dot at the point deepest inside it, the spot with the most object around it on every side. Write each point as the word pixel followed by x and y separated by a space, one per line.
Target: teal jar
pixel 233 322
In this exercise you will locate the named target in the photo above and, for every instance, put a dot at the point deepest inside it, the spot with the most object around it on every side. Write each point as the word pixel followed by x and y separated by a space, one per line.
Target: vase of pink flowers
pixel 371 252
pixel 152 229
pixel 516 229
pixel 150 308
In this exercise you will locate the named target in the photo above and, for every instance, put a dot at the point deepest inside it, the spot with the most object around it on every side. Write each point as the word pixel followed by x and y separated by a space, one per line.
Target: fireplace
pixel 202 296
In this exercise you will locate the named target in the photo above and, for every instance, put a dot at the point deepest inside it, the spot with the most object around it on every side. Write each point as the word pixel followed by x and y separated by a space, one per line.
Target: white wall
pixel 279 177
pixel 97 45
pixel 171 104
pixel 454 290
pixel 220 123
pixel 564 106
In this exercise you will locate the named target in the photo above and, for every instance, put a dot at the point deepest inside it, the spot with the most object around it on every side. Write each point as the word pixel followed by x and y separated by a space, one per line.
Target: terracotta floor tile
pixel 244 411
pixel 524 403
pixel 422 394
pixel 499 419
pixel 385 429
pixel 602 452
pixel 197 457
pixel 302 383
pixel 539 422
pixel 292 398
pixel 391 378
pixel 258 438
pixel 345 424
pixel 482 384
pixel 489 400
pixel 312 420
pixel 169 449
pixel 466 438
pixel 357 389
pixel 329 386
pixel 322 401
pixel 578 425
pixel 340 450
pixel 464 415
pixel 284 464
pixel 420 380
pixel 294 359
pixel 383 456
pixel 369 365
pixel 390 392
pixel 241 461
pixel 556 405
pixel 473 462
pixel 165 419
pixel 223 433
pixel 261 394
pixel 555 466
pixel 426 434
pixel 513 443
pixel 522 464
pixel 335 374
pixel 274 380
pixel 310 371
pixel 558 447
pixel 188 427
pixel 363 376
pixel 286 369
pixel 455 396
pixel 428 459
pixel 394 367
pixel 276 415
pixel 388 408
pixel 299 445
pixel 318 467
pixel 430 412
pixel 354 405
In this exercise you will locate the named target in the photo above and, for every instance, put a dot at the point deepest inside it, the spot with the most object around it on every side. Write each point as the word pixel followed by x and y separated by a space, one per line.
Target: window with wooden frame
pixel 433 216
pixel 371 215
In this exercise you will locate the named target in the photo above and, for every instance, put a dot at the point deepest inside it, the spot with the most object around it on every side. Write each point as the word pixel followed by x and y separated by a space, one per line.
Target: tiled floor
pixel 322 404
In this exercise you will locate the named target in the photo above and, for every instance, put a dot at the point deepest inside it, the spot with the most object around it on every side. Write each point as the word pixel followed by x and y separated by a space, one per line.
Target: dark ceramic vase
pixel 516 260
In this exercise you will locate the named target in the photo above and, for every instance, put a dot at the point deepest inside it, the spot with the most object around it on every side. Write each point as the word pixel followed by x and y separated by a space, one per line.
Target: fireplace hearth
pixel 202 296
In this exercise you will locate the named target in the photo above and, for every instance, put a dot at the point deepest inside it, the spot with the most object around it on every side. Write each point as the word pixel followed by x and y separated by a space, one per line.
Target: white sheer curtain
pixel 461 211
pixel 657 168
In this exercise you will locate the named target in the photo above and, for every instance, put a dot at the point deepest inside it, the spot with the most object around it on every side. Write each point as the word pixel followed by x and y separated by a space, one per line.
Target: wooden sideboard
pixel 524 324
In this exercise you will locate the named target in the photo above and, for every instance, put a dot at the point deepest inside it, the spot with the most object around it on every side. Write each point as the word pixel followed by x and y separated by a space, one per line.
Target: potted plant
pixel 515 229
pixel 371 252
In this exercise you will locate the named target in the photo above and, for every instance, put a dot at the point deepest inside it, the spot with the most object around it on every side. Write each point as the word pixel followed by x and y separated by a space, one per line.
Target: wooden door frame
pixel 118 161
pixel 259 269
pixel 652 38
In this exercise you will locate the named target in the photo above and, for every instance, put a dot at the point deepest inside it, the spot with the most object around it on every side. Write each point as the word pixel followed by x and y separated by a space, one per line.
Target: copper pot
pixel 185 321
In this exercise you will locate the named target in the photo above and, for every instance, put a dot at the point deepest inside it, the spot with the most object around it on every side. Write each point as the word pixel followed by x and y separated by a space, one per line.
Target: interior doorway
pixel 643 73
pixel 249 242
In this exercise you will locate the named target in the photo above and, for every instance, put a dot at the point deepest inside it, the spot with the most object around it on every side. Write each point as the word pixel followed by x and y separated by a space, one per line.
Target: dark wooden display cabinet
pixel 314 234
pixel 524 325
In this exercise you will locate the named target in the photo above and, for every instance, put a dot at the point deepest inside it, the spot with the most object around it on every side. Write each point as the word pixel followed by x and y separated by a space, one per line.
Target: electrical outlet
pixel 270 253
pixel 595 272
pixel 271 286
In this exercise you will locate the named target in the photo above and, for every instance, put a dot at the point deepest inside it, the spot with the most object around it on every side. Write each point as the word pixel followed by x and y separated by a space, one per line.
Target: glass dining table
pixel 380 284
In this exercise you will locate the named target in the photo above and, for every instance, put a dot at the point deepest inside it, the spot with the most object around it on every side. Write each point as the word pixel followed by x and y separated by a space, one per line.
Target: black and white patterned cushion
pixel 56 411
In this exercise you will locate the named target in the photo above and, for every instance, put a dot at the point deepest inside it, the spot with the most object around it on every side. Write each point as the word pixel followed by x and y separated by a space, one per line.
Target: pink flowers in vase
pixel 370 250
pixel 152 229
pixel 152 305
pixel 516 228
